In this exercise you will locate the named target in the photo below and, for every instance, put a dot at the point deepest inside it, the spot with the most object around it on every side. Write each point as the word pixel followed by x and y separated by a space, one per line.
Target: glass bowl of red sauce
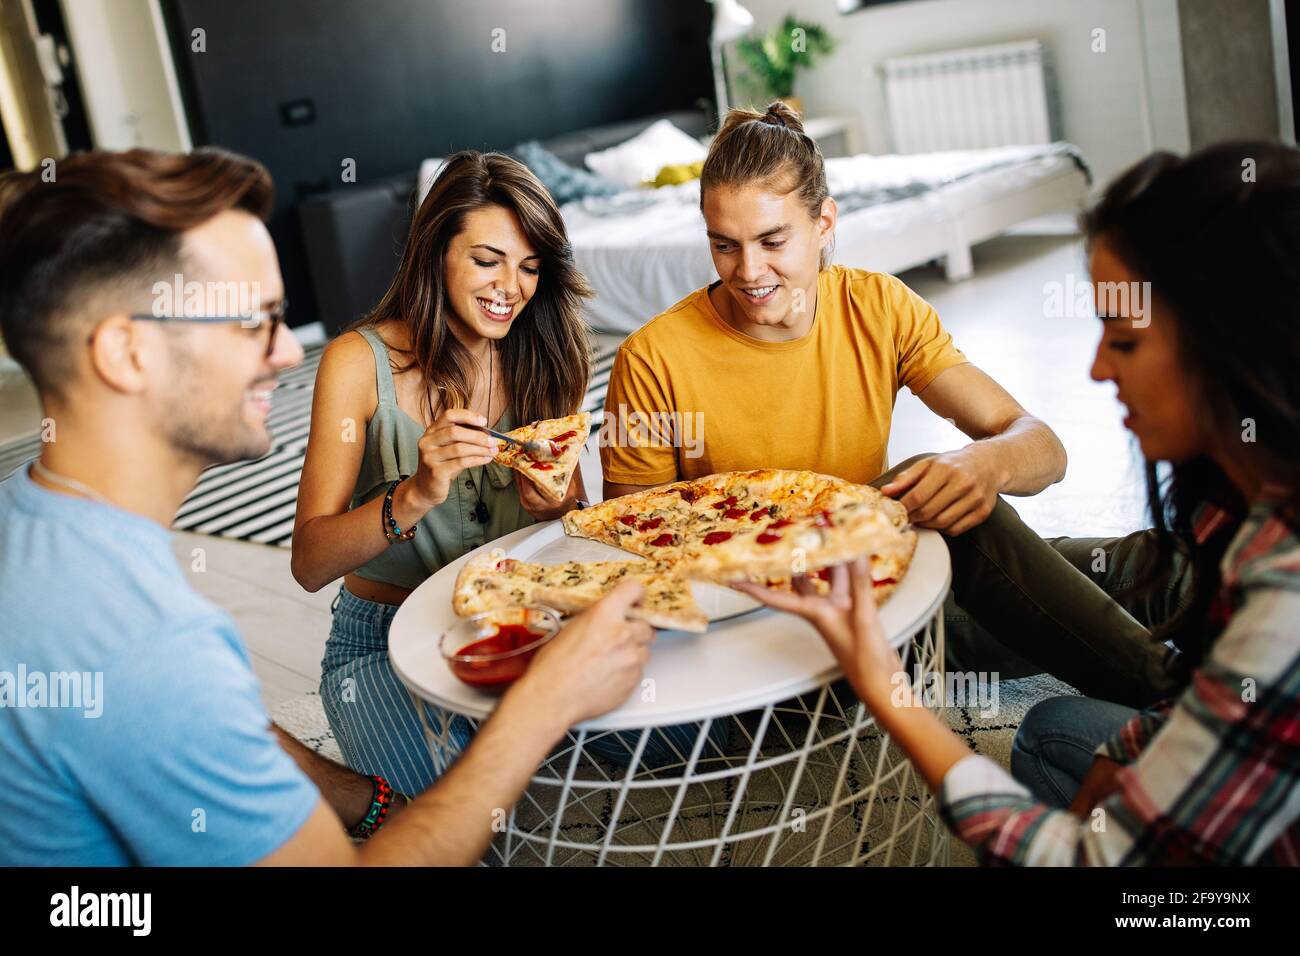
pixel 490 651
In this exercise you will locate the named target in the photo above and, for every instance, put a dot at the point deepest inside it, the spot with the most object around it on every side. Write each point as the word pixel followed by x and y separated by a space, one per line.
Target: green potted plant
pixel 775 57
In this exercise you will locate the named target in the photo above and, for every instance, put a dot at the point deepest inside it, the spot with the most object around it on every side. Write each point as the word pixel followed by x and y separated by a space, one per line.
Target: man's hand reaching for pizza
pixel 951 493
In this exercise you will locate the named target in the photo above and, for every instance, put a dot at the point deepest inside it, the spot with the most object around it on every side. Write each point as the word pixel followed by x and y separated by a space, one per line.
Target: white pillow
pixel 429 170
pixel 640 158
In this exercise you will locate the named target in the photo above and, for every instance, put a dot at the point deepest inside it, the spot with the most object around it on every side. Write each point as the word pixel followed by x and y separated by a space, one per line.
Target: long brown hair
pixel 104 220
pixel 545 356
pixel 1216 234
pixel 770 149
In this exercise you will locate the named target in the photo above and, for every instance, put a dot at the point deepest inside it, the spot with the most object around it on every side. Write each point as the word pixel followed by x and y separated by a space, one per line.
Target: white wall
pixel 128 82
pixel 1116 106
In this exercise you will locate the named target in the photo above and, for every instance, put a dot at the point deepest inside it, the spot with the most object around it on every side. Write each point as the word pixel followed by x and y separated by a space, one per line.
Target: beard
pixel 200 425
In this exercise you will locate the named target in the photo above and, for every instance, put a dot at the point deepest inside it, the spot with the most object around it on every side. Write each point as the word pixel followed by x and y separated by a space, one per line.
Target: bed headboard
pixel 354 236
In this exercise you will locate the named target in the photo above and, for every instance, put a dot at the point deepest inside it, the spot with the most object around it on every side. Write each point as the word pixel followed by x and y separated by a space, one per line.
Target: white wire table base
pixel 810 781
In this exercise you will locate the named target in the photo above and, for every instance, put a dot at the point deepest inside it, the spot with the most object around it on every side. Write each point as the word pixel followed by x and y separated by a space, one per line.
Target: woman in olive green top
pixel 481 325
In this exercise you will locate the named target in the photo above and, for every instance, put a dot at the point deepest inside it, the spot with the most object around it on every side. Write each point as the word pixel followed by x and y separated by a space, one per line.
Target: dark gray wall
pixel 391 82
pixel 1228 70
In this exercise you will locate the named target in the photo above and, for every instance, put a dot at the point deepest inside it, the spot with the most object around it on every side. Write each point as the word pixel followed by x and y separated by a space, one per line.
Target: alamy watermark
pixel 659 429
pixel 975 690
pixel 178 298
pixel 74 690
pixel 1080 299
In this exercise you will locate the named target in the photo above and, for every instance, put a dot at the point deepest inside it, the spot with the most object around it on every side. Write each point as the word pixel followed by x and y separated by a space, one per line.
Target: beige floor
pixel 997 318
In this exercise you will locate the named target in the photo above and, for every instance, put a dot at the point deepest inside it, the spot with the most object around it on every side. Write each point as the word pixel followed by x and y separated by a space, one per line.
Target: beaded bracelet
pixel 380 801
pixel 391 531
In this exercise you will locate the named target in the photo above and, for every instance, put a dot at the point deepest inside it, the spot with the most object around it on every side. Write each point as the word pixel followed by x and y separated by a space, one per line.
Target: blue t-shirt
pixel 131 727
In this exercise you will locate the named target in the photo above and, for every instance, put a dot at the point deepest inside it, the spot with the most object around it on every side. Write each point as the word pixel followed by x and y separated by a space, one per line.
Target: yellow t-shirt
pixel 690 396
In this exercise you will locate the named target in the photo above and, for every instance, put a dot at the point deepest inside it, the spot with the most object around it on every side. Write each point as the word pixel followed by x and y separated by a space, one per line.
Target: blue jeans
pixel 370 711
pixel 1054 746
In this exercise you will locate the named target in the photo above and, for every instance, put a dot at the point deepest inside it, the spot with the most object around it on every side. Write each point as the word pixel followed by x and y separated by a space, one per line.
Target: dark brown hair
pixel 1217 234
pixel 545 356
pixel 770 149
pixel 104 220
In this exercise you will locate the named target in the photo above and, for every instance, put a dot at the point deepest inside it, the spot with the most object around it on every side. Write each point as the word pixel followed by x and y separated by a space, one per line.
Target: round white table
pixel 771 760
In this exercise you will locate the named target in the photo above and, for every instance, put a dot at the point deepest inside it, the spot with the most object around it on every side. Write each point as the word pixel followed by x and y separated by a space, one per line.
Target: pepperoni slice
pixel 542 465
pixel 650 524
pixel 716 537
pixel 663 541
pixel 729 502
pixel 629 520
pixel 779 523
pixel 767 537
pixel 565 437
pixel 735 513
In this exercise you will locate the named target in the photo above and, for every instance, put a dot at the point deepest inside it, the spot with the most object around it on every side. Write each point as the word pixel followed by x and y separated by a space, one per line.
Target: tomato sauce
pixel 716 537
pixel 496 675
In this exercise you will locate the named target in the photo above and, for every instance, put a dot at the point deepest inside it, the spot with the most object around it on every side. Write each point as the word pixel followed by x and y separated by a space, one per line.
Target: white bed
pixel 642 260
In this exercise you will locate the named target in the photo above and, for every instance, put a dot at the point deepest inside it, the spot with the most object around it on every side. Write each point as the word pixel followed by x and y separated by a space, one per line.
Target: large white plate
pixel 552 546
pixel 741 663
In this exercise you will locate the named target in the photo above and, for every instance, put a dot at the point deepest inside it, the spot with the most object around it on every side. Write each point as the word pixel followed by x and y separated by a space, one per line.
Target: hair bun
pixel 780 114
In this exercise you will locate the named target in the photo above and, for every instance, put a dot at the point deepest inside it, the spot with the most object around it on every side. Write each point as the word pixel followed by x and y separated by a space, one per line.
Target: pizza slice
pixel 650 523
pixel 492 581
pixel 785 547
pixel 567 437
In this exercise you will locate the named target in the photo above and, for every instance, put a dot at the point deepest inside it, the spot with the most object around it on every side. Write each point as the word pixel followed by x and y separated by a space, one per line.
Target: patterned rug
pixel 255 500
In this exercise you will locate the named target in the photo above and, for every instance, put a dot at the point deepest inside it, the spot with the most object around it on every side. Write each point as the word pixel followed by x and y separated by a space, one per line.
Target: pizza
pixel 567 437
pixel 493 581
pixel 808 545
pixel 712 527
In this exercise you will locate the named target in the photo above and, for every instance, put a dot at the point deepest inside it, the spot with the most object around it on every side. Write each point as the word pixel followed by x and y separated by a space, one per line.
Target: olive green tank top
pixel 449 530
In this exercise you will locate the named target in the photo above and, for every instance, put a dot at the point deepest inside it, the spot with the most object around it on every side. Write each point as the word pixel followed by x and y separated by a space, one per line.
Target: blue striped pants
pixel 369 709
pixel 378 729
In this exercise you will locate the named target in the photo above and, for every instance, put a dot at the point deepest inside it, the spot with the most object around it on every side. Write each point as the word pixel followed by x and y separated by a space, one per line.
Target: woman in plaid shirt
pixel 1207 367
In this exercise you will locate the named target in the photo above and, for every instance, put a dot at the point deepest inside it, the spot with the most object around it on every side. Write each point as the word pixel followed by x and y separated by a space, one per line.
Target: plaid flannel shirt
pixel 1212 777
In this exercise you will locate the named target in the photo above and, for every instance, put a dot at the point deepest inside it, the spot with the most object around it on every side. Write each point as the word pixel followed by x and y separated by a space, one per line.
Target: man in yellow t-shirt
pixel 821 401
pixel 788 363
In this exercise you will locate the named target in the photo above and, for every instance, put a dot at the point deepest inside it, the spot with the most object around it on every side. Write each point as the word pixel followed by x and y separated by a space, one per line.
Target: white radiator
pixel 968 99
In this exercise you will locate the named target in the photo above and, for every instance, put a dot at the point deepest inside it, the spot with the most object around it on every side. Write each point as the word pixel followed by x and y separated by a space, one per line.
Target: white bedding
pixel 643 260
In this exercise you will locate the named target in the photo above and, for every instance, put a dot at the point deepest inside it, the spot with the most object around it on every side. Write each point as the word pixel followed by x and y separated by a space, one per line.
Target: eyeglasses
pixel 274 317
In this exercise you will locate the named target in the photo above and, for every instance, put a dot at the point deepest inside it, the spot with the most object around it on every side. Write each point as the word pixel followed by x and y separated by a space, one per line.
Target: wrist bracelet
pixel 391 531
pixel 380 801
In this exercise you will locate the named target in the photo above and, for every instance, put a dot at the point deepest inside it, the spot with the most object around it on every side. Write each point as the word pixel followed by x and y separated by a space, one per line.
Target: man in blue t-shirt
pixel 131 728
